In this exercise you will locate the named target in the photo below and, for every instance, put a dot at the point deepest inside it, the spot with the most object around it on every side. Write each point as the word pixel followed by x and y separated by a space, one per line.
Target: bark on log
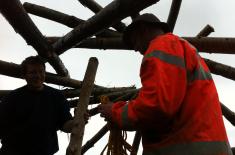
pixel 228 114
pixel 203 44
pixel 116 96
pixel 15 14
pixel 90 143
pixel 205 31
pixel 136 143
pixel 59 17
pixel 126 95
pixel 77 133
pixel 115 11
pixel 70 93
pixel 10 69
pixel 56 16
pixel 114 43
pixel 95 7
pixel 213 44
pixel 173 15
pixel 221 69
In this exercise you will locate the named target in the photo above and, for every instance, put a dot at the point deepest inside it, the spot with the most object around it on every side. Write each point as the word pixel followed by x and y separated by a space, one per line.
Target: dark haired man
pixel 31 115
pixel 177 109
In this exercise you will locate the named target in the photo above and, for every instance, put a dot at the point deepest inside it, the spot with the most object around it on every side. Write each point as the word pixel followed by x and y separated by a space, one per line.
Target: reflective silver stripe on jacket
pixel 166 57
pixel 193 148
pixel 197 74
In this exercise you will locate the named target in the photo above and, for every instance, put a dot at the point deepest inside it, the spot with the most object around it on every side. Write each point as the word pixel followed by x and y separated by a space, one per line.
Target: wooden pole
pixel 114 43
pixel 203 44
pixel 126 95
pixel 116 96
pixel 228 114
pixel 213 44
pixel 115 11
pixel 173 15
pixel 95 7
pixel 221 69
pixel 205 31
pixel 15 14
pixel 77 133
pixel 41 11
pixel 70 93
pixel 90 143
pixel 59 17
pixel 136 143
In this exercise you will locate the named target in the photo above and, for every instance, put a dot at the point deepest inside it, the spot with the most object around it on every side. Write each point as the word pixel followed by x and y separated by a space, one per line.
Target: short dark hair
pixel 31 61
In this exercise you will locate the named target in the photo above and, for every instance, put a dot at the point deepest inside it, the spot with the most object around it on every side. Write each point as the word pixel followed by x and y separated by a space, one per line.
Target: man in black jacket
pixel 31 115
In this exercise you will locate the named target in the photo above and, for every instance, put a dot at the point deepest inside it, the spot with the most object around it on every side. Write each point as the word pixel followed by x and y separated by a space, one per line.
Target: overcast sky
pixel 117 67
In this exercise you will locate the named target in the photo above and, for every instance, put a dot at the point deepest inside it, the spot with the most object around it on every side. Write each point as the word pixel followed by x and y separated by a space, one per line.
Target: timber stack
pixel 101 31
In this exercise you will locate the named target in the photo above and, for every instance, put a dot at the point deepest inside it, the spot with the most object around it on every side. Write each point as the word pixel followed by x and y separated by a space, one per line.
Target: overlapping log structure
pixel 95 33
pixel 14 12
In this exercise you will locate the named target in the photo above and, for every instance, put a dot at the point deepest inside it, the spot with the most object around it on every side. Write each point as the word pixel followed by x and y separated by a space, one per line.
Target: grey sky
pixel 121 68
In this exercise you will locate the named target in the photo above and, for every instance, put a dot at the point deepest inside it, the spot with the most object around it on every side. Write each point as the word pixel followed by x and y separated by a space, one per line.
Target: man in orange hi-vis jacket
pixel 177 109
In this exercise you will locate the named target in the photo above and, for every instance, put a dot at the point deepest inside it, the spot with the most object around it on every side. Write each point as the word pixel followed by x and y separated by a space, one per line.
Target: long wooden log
pixel 59 17
pixel 213 44
pixel 14 70
pixel 77 133
pixel 90 143
pixel 76 93
pixel 116 96
pixel 114 43
pixel 173 15
pixel 228 114
pixel 221 69
pixel 114 12
pixel 203 44
pixel 205 31
pixel 126 95
pixel 10 69
pixel 95 7
pixel 136 143
pixel 41 11
pixel 15 14
pixel 70 93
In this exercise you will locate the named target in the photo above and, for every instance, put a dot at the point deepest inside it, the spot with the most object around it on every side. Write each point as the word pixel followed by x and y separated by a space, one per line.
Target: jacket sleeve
pixel 163 89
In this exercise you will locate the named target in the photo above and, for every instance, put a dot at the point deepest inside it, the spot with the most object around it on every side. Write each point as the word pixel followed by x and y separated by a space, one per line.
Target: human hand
pixel 86 115
pixel 104 99
pixel 105 111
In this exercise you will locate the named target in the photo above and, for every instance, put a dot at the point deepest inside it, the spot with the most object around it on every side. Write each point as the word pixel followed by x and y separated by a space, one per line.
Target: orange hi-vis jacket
pixel 177 109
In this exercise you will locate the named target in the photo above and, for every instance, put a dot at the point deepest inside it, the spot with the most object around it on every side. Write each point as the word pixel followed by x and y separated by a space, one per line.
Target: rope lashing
pixel 117 144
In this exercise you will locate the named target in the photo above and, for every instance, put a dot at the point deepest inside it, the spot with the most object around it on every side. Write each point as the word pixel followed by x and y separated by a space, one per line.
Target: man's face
pixel 35 76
